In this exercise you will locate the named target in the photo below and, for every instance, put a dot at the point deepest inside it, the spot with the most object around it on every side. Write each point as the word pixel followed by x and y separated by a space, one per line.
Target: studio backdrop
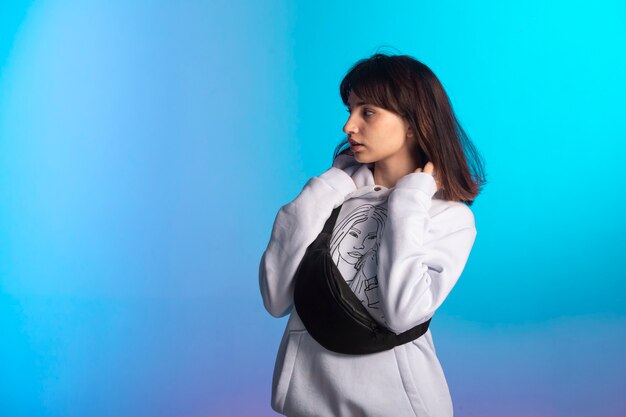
pixel 146 147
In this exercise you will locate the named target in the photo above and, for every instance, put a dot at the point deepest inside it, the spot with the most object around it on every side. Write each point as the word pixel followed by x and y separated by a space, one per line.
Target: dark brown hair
pixel 407 87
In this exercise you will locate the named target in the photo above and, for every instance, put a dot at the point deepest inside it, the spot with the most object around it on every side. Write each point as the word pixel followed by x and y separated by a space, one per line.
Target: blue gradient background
pixel 146 147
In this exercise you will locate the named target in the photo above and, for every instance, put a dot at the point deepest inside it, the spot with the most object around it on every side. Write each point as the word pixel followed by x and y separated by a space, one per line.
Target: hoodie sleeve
pixel 296 226
pixel 420 258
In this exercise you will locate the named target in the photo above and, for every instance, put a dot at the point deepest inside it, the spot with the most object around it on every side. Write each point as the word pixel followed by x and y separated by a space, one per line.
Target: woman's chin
pixel 362 159
pixel 359 158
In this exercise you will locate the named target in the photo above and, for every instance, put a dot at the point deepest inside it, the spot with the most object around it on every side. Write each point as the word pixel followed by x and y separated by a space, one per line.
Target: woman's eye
pixel 366 112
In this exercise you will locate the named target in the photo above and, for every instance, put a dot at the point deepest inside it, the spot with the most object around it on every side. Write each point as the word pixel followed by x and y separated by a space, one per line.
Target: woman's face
pixel 381 133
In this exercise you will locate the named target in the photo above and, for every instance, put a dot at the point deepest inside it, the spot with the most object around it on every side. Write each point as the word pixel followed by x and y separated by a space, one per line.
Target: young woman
pixel 401 240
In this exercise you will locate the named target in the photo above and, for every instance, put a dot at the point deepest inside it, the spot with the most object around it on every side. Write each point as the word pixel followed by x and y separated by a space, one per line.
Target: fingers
pixel 429 168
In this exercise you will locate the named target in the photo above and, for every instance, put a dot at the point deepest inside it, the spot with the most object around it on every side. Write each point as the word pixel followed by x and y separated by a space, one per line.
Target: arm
pixel 296 226
pixel 420 258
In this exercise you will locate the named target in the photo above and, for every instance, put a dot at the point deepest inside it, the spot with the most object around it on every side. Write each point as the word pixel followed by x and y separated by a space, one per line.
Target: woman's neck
pixel 388 171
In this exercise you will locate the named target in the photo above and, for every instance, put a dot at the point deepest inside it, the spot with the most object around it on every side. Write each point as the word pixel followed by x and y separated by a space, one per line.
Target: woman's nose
pixel 349 127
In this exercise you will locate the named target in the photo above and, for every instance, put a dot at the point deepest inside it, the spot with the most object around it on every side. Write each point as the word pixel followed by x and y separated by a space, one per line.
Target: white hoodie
pixel 401 250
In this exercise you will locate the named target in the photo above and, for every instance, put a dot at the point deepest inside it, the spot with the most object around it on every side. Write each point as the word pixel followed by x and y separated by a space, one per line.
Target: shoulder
pixel 455 214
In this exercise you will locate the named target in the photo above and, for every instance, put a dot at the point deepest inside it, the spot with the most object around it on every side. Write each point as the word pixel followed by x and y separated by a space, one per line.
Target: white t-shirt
pixel 354 248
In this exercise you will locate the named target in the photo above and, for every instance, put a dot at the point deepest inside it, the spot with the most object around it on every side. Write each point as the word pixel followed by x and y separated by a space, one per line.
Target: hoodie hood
pixel 363 178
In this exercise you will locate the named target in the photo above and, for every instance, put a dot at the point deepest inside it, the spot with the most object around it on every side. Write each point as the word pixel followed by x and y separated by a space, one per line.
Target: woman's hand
pixel 347 163
pixel 429 168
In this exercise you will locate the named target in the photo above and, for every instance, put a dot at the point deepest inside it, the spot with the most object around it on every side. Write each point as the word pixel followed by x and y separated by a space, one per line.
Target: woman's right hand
pixel 347 163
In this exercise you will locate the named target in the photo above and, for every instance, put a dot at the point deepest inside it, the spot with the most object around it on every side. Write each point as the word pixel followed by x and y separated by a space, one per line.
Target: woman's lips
pixel 354 145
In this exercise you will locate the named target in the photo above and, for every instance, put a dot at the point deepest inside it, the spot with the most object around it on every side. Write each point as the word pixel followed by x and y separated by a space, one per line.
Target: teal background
pixel 146 147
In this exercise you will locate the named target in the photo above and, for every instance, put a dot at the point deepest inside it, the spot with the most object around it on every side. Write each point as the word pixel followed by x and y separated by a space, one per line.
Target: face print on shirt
pixel 354 248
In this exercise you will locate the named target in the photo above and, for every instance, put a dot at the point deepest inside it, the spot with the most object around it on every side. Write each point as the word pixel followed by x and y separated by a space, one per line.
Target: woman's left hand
pixel 429 168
